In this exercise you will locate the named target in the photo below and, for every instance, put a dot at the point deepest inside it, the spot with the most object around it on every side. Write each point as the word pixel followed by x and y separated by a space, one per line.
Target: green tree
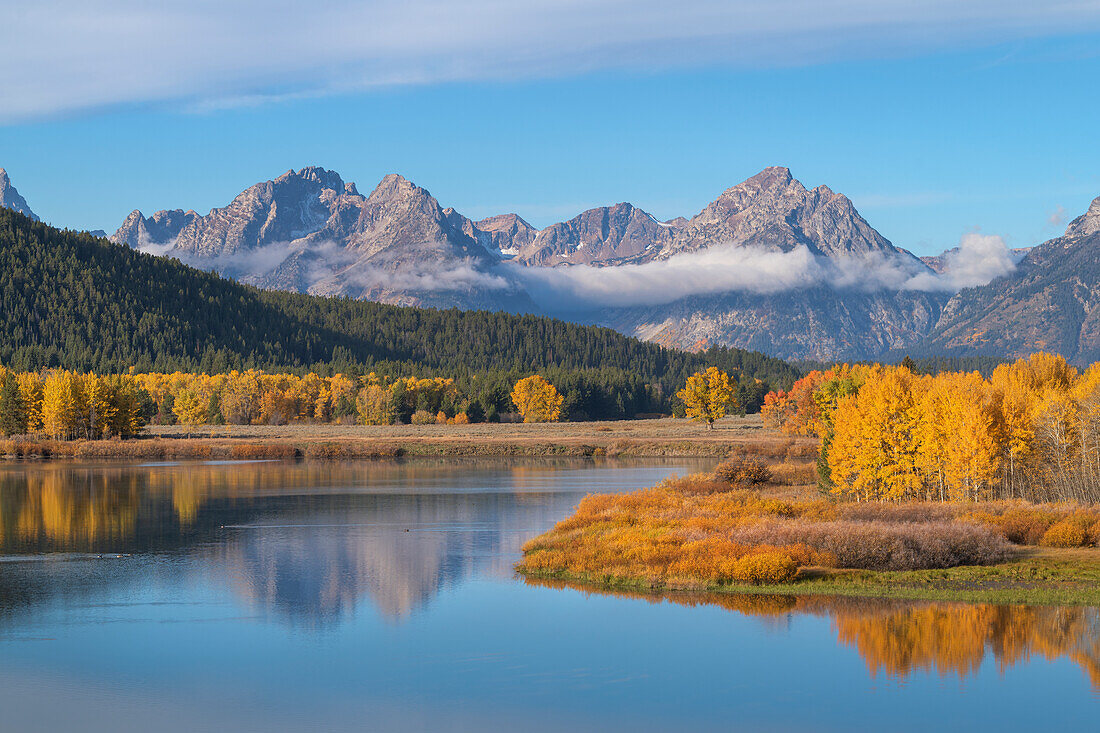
pixel 13 413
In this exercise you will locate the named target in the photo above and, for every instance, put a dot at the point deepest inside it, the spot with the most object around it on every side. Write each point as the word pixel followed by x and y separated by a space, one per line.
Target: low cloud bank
pixel 329 268
pixel 326 267
pixel 977 260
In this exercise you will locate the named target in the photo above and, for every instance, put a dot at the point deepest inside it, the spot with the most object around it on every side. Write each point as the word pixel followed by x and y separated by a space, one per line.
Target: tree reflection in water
pixel 898 638
pixel 304 542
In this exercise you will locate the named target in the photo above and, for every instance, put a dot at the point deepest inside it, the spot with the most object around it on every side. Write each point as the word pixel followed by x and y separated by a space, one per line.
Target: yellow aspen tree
pixel 708 396
pixel 844 451
pixel 933 433
pixel 240 397
pixel 189 409
pixel 537 400
pixel 99 404
pixel 128 419
pixel 373 405
pixel 971 452
pixel 30 390
pixel 59 405
pixel 873 450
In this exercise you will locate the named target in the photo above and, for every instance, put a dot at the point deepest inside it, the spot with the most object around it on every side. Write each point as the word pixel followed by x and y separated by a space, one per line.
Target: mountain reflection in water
pixel 306 544
pixel 301 541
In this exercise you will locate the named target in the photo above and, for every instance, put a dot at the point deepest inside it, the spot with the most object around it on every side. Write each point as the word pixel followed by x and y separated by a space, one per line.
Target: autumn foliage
pixel 537 400
pixel 1031 430
pixel 708 396
pixel 705 530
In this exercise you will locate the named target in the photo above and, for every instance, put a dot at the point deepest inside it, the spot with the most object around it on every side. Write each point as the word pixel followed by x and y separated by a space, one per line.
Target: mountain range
pixel 768 265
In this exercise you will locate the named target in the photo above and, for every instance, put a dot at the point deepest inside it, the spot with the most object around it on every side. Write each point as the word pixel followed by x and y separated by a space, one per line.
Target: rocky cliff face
pixel 1049 304
pixel 310 231
pixel 10 198
pixel 772 212
pixel 608 235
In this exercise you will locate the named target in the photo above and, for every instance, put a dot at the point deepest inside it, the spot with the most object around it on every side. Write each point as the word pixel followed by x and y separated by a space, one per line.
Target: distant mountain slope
pixel 1050 303
pixel 816 323
pixel 310 231
pixel 10 198
pixel 685 282
pixel 771 209
pixel 606 235
pixel 74 300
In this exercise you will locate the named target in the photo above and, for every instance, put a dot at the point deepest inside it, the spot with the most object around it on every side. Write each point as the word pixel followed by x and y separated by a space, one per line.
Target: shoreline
pixel 662 438
pixel 1033 576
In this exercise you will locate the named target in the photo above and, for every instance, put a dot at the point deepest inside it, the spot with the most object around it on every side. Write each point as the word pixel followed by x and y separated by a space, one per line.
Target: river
pixel 380 596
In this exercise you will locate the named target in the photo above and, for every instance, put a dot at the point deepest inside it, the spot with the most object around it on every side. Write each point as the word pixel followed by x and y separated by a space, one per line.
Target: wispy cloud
pixel 977 260
pixel 63 56
pixel 1057 217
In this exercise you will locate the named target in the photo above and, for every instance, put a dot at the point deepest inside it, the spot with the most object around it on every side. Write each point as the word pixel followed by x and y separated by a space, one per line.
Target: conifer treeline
pixel 70 300
pixel 1031 430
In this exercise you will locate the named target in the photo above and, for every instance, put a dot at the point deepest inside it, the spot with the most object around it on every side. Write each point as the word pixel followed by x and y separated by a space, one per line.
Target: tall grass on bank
pixel 713 529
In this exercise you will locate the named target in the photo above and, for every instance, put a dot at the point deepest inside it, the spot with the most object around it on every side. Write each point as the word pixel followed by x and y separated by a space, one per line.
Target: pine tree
pixel 13 414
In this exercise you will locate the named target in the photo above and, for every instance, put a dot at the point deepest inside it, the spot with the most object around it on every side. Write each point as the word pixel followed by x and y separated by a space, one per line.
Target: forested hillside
pixel 72 300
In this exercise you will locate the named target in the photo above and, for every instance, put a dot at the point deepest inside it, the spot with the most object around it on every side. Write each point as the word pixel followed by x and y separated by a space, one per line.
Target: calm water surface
pixel 380 596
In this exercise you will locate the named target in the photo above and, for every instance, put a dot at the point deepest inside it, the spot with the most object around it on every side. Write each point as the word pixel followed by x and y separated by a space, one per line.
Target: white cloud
pixel 977 260
pixel 68 55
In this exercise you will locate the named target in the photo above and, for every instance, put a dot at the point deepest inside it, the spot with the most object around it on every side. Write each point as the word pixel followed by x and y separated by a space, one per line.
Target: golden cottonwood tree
pixel 189 409
pixel 537 400
pixel 708 396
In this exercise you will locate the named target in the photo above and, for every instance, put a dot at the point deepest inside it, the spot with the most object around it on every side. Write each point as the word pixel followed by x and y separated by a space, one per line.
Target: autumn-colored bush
pixel 1076 530
pixel 1028 524
pixel 263 450
pixel 742 472
pixel 422 417
pixel 880 545
pixel 793 474
pixel 910 511
pixel 764 568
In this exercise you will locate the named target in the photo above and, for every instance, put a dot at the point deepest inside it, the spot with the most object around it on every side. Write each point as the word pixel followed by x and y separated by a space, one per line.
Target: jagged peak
pixel 315 174
pixel 10 198
pixel 505 220
pixel 395 185
pixel 771 176
pixel 1086 224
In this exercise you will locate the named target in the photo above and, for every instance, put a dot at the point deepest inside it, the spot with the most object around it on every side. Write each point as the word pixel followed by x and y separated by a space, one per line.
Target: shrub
pixel 765 568
pixel 742 472
pixel 881 545
pixel 423 417
pixel 1066 533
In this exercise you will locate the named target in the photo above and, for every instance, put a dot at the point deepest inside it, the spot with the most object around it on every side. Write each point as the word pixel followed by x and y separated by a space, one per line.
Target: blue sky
pixel 933 131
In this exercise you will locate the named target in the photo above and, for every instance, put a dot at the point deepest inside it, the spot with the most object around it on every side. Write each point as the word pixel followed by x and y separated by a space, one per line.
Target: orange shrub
pixel 765 568
pixel 1064 534
pixel 742 472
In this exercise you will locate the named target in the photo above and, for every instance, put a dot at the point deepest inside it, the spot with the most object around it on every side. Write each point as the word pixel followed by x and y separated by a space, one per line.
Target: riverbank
pixel 733 530
pixel 627 438
pixel 1032 576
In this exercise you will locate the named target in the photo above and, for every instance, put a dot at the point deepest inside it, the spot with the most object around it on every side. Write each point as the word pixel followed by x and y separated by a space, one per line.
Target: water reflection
pixel 300 541
pixel 900 638
pixel 326 546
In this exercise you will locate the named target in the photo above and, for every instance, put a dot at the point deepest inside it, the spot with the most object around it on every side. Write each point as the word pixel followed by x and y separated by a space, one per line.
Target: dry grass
pixel 712 529
pixel 624 438
pixel 878 545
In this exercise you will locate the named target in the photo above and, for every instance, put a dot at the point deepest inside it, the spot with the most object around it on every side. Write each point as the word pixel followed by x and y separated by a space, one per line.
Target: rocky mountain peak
pixel 10 198
pixel 315 174
pixel 1088 223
